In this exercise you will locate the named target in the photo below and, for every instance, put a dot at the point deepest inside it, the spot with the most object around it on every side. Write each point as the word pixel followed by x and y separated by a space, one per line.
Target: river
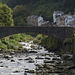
pixel 31 63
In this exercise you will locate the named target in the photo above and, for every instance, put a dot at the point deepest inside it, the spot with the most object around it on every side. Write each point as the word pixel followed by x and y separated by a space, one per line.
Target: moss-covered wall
pixel 52 43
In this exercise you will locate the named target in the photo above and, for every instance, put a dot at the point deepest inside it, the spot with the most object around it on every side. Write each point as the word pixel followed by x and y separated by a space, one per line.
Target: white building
pixel 56 14
pixel 34 20
pixel 61 19
pixel 66 20
pixel 40 21
pixel 69 20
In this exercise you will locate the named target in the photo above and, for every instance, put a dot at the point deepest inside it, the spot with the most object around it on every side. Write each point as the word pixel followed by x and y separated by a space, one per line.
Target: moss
pixel 69 43
pixel 51 43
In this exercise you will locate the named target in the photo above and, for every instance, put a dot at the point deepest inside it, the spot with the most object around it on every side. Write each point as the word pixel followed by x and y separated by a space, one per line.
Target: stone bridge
pixel 58 32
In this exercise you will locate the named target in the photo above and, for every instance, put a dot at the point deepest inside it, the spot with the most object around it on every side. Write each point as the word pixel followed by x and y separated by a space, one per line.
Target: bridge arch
pixel 58 32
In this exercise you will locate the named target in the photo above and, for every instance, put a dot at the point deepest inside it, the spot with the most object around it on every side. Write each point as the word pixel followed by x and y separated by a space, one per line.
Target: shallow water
pixel 19 64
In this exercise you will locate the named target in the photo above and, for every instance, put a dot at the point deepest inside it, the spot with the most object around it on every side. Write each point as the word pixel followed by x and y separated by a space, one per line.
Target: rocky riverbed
pixel 37 61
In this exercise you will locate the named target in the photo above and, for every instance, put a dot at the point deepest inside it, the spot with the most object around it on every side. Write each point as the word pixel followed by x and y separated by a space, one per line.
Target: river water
pixel 19 63
pixel 25 63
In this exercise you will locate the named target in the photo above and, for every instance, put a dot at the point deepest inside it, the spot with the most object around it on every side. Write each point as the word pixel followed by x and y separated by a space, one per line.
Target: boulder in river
pixel 16 71
pixel 30 71
pixel 32 51
pixel 7 56
pixel 28 58
pixel 31 61
pixel 39 57
pixel 67 57
pixel 48 61
pixel 12 60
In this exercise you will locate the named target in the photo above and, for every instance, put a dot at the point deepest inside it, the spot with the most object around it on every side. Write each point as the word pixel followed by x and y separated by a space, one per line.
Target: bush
pixel 3 46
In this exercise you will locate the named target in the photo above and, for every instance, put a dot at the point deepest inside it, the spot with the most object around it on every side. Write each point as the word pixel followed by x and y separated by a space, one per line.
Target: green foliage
pixel 20 10
pixel 12 42
pixel 3 46
pixel 70 43
pixel 5 16
pixel 44 8
pixel 39 38
pixel 50 42
pixel 20 13
pixel 20 21
pixel 13 45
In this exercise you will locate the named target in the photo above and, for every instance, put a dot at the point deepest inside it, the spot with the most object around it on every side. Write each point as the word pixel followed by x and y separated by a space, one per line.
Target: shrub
pixel 3 46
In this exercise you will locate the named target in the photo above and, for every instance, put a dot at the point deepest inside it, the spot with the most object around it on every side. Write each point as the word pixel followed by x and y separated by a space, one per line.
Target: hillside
pixel 44 8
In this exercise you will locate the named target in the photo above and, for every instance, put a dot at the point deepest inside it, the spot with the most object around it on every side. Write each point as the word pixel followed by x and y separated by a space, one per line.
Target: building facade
pixel 34 20
pixel 57 14
pixel 70 20
pixel 62 19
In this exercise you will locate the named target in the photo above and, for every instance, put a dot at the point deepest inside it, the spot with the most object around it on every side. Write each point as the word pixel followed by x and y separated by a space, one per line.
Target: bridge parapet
pixel 58 32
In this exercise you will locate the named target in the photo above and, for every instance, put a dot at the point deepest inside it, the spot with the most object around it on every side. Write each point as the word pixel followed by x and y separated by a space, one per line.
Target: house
pixel 69 20
pixel 34 20
pixel 46 24
pixel 62 19
pixel 57 14
pixel 66 20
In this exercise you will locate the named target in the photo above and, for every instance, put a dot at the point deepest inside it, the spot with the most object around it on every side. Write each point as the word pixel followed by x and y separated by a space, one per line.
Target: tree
pixel 5 16
pixel 20 10
pixel 20 13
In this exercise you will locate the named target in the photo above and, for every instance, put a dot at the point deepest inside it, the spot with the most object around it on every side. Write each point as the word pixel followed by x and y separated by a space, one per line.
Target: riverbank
pixel 11 43
pixel 33 59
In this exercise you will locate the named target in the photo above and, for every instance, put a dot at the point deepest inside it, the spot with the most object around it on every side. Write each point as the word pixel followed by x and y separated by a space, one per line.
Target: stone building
pixel 66 20
pixel 62 19
pixel 57 14
pixel 34 20
pixel 69 20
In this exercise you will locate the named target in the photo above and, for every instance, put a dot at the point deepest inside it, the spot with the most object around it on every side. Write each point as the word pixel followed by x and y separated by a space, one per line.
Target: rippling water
pixel 19 64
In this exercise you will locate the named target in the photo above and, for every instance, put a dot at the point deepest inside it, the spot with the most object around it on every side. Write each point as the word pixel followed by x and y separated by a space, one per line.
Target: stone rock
pixel 1 55
pixel 67 57
pixel 48 61
pixel 39 66
pixel 11 53
pixel 39 57
pixel 30 71
pixel 16 71
pixel 20 59
pixel 31 61
pixel 47 58
pixel 28 58
pixel 32 51
pixel 12 60
pixel 56 59
pixel 25 73
pixel 7 56
pixel 1 61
